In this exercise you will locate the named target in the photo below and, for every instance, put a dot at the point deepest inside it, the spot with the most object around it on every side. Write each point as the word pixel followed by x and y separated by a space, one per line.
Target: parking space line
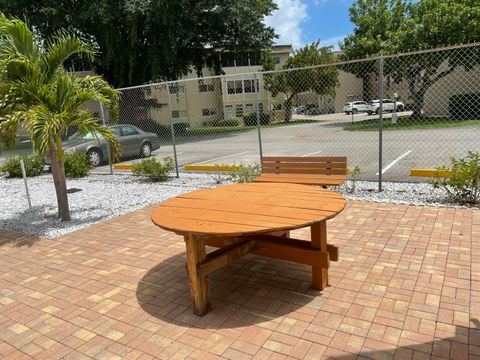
pixel 389 166
pixel 316 152
pixel 222 157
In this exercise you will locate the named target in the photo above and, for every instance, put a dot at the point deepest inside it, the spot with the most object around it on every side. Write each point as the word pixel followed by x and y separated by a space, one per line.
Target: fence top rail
pixel 337 63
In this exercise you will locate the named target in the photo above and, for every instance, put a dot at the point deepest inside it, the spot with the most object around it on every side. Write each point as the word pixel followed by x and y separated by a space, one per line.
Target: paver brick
pixel 406 286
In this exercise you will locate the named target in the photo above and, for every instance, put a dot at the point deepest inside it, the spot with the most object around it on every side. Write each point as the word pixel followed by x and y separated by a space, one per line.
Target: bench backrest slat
pixel 332 165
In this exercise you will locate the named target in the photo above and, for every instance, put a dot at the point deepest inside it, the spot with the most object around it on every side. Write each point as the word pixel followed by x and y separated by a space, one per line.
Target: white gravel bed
pixel 101 197
pixel 400 193
pixel 106 196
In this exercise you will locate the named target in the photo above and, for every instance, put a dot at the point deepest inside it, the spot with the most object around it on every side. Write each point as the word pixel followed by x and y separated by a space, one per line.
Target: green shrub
pixel 76 165
pixel 245 173
pixel 314 111
pixel 230 122
pixel 463 185
pixel 154 170
pixel 221 123
pixel 34 165
pixel 180 128
pixel 465 106
pixel 251 119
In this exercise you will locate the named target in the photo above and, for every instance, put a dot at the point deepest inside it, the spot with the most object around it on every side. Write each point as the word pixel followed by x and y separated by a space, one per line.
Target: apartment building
pixel 202 102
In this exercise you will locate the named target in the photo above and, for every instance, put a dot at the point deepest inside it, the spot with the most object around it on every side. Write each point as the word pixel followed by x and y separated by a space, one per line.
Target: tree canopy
pixel 320 80
pixel 385 27
pixel 142 41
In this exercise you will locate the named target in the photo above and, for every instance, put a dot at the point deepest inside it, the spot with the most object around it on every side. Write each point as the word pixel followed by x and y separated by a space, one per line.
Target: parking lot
pixel 402 150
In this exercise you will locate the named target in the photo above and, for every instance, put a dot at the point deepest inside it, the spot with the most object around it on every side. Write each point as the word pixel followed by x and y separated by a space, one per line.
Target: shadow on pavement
pixel 252 290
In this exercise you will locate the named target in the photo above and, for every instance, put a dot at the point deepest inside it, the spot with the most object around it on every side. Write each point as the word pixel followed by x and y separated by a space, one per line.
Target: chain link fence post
pixel 102 114
pixel 172 129
pixel 256 84
pixel 380 123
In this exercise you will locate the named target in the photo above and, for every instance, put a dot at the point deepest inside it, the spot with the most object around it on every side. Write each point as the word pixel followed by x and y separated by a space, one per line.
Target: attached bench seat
pixel 321 171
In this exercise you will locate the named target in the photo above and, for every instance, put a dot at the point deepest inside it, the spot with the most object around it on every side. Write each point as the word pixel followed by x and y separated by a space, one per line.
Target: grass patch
pixel 408 123
pixel 229 129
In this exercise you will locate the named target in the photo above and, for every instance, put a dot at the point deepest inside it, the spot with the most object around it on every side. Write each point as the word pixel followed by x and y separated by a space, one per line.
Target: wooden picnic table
pixel 253 218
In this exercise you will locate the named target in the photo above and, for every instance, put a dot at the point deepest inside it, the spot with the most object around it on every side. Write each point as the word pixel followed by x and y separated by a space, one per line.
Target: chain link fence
pixel 387 114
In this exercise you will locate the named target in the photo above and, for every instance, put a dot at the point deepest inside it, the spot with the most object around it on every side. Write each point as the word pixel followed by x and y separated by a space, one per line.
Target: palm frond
pixel 17 38
pixel 104 93
pixel 62 46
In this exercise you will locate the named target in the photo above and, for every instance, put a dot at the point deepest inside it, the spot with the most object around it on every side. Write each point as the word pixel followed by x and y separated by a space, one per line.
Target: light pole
pixel 394 114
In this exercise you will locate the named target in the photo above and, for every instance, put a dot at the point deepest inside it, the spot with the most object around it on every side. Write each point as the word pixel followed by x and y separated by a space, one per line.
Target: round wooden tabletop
pixel 247 209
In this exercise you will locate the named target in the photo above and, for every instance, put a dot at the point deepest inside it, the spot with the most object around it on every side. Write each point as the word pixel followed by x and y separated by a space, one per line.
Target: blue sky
pixel 299 22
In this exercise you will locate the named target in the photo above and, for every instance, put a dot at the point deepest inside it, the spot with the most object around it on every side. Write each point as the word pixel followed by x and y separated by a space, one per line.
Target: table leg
pixel 198 283
pixel 319 241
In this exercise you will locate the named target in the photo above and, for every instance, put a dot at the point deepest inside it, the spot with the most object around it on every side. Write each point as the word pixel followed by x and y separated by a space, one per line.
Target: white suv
pixel 388 105
pixel 355 107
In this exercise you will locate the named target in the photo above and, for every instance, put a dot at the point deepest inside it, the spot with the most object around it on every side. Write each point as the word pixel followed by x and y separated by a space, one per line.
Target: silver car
pixel 134 143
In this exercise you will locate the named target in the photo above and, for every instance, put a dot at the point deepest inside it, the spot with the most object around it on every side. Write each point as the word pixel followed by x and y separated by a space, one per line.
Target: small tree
pixel 321 80
pixel 375 23
pixel 38 93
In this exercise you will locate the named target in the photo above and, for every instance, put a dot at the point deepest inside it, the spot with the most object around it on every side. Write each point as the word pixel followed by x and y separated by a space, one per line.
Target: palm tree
pixel 36 91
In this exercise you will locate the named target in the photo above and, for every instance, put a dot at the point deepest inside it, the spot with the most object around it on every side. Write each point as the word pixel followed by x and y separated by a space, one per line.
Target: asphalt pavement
pixel 402 149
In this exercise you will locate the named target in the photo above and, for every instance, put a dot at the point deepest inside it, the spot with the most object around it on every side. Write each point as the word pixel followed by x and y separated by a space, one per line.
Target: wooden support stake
pixel 319 241
pixel 198 283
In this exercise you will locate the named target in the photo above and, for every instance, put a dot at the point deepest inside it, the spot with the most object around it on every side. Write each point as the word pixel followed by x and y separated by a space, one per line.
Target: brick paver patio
pixel 407 286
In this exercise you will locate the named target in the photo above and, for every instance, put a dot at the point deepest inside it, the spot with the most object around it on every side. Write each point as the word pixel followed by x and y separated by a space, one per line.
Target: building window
pixel 176 89
pixel 177 114
pixel 249 88
pixel 239 110
pixel 234 86
pixel 202 87
pixel 276 59
pixel 231 87
pixel 249 108
pixel 229 111
pixel 208 112
pixel 238 87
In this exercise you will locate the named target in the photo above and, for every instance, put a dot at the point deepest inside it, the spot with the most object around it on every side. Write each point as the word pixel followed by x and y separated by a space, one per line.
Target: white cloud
pixel 286 21
pixel 320 2
pixel 333 41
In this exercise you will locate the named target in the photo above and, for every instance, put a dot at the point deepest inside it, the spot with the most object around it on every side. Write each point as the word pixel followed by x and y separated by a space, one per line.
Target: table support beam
pixel 279 247
pixel 225 255
pixel 196 254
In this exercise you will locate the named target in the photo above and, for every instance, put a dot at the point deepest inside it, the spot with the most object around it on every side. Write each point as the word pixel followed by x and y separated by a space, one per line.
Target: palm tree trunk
pixel 58 172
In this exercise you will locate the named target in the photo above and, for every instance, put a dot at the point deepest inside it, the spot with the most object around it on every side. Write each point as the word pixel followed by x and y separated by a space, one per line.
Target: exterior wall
pixel 437 97
pixel 350 88
pixel 458 82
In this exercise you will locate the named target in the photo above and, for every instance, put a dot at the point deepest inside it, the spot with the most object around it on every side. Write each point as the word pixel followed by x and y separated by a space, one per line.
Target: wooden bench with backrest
pixel 319 170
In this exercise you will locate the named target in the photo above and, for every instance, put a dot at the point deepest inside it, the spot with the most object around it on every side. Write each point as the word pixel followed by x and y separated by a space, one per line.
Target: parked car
pixel 134 143
pixel 356 107
pixel 301 110
pixel 388 105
